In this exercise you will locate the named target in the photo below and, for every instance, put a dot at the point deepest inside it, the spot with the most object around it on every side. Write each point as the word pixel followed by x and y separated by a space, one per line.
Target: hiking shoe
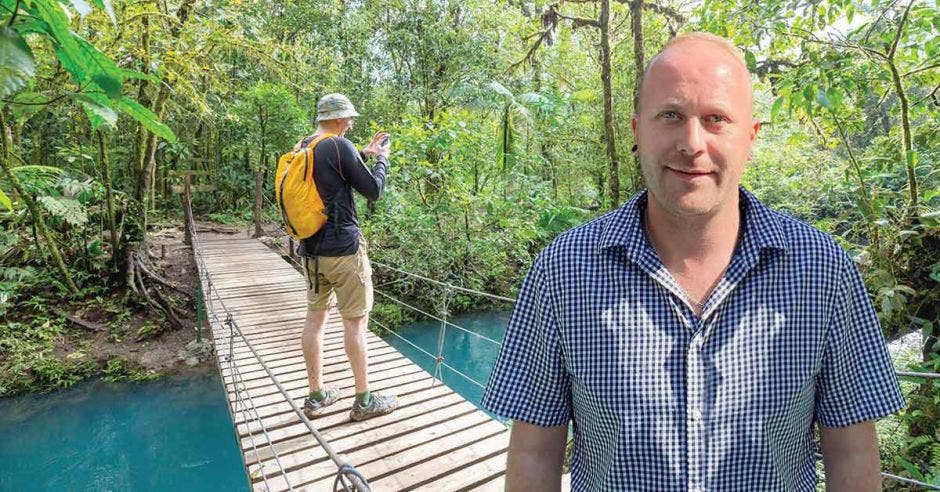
pixel 380 405
pixel 312 408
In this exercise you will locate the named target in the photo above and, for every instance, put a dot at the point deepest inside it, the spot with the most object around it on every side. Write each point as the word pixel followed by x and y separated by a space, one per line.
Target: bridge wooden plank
pixel 436 440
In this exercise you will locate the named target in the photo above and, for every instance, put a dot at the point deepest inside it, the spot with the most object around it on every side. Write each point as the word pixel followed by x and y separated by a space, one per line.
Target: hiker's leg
pixel 354 340
pixel 312 342
pixel 318 297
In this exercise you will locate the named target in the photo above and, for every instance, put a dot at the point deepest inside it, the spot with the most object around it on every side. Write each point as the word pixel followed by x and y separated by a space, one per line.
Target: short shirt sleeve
pixel 529 381
pixel 857 380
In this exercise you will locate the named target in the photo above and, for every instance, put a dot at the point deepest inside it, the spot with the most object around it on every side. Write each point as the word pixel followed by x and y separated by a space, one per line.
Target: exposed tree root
pixel 145 282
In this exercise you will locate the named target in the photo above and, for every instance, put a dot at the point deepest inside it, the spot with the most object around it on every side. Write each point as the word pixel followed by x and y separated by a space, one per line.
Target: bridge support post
pixel 438 365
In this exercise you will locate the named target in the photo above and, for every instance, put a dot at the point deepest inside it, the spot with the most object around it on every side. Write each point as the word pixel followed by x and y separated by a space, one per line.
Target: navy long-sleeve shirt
pixel 338 169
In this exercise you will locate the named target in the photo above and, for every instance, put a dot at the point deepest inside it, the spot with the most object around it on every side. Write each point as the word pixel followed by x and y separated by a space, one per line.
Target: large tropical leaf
pixel 16 62
pixel 146 117
pixel 101 69
pixel 55 17
pixel 97 108
pixel 5 201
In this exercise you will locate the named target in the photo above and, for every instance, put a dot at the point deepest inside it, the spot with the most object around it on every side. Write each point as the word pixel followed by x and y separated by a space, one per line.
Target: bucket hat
pixel 335 106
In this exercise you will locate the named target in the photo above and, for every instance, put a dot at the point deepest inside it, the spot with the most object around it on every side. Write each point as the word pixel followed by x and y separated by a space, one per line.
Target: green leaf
pixel 834 95
pixel 103 70
pixel 5 201
pixel 775 109
pixel 823 99
pixel 584 95
pixel 500 89
pixel 146 117
pixel 107 7
pixel 97 108
pixel 52 13
pixel 134 74
pixel 751 61
pixel 67 209
pixel 16 62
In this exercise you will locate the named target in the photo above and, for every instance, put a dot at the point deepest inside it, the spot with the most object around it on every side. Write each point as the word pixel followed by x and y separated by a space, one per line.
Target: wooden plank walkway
pixel 436 440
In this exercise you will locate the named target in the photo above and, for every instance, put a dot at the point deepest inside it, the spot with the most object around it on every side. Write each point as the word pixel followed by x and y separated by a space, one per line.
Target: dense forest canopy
pixel 509 122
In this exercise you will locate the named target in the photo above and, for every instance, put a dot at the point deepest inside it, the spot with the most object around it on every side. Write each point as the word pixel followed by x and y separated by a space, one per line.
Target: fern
pixel 38 180
pixel 67 209
pixel 16 274
pixel 935 460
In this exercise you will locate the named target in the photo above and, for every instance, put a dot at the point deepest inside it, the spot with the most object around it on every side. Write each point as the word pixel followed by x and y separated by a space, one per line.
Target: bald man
pixel 693 338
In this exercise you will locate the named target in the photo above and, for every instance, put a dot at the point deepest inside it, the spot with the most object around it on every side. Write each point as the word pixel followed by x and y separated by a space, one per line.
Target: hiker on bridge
pixel 694 337
pixel 336 259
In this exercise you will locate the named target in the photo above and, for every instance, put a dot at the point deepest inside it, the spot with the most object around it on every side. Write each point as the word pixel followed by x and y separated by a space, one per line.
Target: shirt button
pixel 696 414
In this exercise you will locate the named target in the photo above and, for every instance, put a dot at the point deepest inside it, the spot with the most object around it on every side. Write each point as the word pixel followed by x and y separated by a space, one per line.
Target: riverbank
pixel 49 344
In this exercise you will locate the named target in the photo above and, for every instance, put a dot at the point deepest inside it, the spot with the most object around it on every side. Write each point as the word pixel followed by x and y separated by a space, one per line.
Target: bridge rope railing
pixel 347 475
pixel 450 289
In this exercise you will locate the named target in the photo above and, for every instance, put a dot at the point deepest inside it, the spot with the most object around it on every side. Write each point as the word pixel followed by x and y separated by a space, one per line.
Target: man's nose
pixel 692 139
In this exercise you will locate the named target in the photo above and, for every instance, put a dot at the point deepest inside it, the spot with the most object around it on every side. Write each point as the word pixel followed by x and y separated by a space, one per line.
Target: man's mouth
pixel 689 174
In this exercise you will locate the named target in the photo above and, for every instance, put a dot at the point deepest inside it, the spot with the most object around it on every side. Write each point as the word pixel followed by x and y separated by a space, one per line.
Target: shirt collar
pixel 624 228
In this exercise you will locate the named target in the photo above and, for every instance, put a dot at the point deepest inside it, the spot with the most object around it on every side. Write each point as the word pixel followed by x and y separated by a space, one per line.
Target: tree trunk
pixel 145 178
pixel 6 150
pixel 636 22
pixel 105 166
pixel 259 175
pixel 612 158
pixel 256 210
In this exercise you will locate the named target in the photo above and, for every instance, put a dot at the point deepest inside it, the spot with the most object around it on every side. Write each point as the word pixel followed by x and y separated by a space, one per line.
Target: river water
pixel 174 433
pixel 469 353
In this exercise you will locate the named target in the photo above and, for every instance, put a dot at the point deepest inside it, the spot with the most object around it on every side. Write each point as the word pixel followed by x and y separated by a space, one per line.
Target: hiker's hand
pixel 375 146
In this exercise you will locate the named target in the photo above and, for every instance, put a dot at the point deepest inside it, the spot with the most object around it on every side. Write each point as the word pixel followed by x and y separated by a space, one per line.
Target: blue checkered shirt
pixel 661 400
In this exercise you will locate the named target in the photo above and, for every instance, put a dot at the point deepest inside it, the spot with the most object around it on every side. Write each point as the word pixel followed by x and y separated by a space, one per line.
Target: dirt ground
pixel 164 353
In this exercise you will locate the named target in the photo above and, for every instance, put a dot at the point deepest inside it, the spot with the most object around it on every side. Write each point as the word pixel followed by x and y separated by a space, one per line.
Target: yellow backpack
pixel 296 193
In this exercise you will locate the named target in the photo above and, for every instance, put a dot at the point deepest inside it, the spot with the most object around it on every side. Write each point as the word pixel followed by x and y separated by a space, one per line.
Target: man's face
pixel 694 129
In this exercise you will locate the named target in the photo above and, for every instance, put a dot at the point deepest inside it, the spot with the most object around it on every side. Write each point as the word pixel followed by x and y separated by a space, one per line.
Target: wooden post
pixel 186 190
pixel 187 207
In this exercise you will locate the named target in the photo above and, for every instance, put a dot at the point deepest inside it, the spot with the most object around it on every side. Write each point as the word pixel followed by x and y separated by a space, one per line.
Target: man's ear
pixel 633 122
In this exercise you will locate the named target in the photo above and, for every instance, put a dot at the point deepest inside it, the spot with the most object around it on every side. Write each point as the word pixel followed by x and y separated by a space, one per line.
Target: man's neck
pixel 692 237
pixel 695 249
pixel 321 129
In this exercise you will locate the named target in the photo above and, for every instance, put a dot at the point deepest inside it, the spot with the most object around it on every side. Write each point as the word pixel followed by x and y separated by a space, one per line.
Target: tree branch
pixel 897 35
pixel 921 69
pixel 578 22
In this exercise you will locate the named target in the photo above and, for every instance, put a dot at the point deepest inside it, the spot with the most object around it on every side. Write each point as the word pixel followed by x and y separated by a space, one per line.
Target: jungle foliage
pixel 509 121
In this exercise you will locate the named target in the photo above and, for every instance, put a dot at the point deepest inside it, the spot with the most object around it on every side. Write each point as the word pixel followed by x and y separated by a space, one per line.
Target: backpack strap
pixel 339 160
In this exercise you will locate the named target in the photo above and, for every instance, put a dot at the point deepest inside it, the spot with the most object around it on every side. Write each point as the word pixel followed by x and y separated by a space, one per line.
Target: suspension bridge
pixel 255 302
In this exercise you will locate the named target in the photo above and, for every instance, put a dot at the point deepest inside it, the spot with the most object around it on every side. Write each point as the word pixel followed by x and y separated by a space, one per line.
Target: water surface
pixel 172 434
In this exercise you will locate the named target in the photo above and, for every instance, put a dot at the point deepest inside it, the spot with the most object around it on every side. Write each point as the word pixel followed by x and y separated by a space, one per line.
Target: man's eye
pixel 716 118
pixel 669 115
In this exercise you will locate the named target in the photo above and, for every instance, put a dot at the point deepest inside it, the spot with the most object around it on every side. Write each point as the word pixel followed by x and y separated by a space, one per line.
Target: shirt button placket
pixel 693 413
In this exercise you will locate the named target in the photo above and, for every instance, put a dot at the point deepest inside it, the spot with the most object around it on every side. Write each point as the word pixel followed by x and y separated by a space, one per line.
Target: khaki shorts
pixel 350 277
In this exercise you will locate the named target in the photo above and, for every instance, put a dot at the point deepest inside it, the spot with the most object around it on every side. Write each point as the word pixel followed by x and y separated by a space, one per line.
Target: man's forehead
pixel 694 67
